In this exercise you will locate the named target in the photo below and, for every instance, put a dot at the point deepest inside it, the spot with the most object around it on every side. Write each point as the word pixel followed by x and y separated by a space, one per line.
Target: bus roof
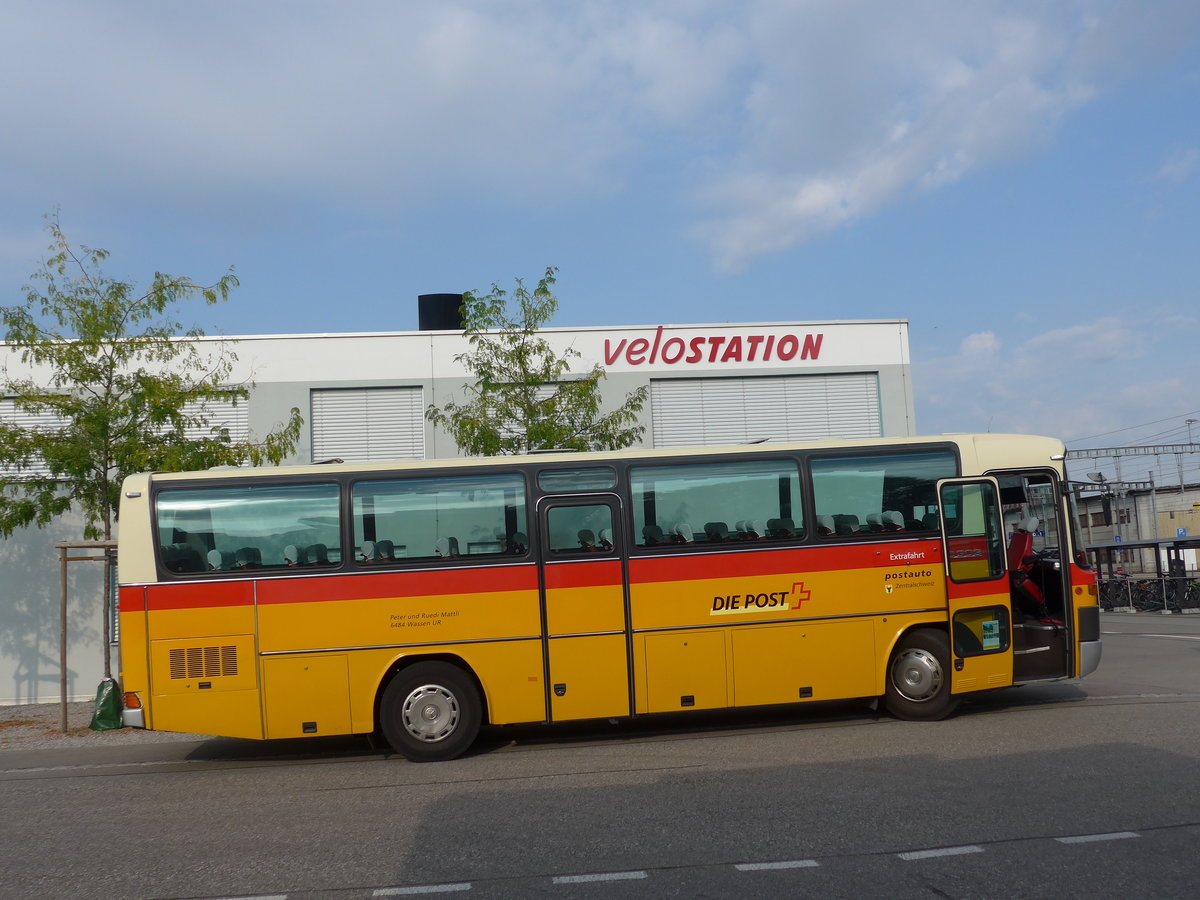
pixel 980 452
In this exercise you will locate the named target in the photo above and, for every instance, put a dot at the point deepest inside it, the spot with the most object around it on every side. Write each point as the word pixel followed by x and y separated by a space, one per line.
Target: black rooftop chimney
pixel 439 312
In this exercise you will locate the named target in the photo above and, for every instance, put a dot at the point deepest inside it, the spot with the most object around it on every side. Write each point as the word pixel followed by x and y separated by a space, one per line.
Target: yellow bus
pixel 425 599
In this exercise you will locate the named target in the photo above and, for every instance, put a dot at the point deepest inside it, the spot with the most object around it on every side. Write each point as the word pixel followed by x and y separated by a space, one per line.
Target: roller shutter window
pixel 11 415
pixel 367 424
pixel 220 415
pixel 512 428
pixel 707 411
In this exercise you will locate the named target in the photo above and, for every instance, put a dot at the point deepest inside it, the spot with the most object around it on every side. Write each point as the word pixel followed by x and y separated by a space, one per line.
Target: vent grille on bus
pixel 203 662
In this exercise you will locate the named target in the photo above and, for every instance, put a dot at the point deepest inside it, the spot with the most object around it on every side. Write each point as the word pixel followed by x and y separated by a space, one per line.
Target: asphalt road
pixel 1072 789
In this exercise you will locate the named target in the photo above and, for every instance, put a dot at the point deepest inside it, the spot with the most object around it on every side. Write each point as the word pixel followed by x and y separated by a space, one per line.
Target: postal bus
pixel 425 599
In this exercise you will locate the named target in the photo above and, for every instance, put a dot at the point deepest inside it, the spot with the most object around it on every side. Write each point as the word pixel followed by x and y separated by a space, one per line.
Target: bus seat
pixel 930 521
pixel 749 531
pixel 893 520
pixel 317 555
pixel 781 528
pixel 385 549
pixel 652 535
pixel 220 559
pixel 1027 596
pixel 716 532
pixel 825 525
pixel 367 550
pixel 683 533
pixel 1020 546
pixel 293 555
pixel 606 541
pixel 846 524
pixel 247 558
pixel 182 558
pixel 740 527
pixel 587 540
pixel 447 547
pixel 518 543
pixel 875 522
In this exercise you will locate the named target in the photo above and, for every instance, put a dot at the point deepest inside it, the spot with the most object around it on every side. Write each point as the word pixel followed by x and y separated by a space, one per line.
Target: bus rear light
pixel 133 701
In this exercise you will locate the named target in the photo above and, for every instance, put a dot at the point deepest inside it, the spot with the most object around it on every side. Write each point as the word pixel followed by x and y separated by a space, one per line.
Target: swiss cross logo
pixel 799 594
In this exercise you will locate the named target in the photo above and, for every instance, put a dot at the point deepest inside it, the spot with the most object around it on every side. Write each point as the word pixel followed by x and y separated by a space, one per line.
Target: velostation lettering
pixel 716 348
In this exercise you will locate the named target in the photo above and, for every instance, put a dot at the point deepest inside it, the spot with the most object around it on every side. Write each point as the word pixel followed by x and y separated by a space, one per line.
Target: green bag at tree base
pixel 108 707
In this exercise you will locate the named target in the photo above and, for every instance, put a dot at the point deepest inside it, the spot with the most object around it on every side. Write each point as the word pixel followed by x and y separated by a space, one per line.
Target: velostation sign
pixel 641 351
pixel 683 349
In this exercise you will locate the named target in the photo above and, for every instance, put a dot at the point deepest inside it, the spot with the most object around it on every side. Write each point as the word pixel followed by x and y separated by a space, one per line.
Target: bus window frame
pixel 435 562
pixel 864 453
pixel 633 540
pixel 610 499
pixel 166 575
pixel 559 469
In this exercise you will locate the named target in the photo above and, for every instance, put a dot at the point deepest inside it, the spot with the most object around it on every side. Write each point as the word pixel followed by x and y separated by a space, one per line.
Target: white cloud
pixel 782 120
pixel 1101 341
pixel 1179 167
pixel 1076 380
pixel 981 345
pixel 853 115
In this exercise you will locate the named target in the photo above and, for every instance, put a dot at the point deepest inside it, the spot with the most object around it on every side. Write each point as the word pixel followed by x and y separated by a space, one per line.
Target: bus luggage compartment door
pixel 206 685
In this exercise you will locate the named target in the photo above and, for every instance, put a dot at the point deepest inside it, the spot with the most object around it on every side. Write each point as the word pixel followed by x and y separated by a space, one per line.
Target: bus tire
pixel 918 677
pixel 430 711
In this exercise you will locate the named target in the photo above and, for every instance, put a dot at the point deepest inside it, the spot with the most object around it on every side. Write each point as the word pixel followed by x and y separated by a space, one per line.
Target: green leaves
pixel 524 397
pixel 119 390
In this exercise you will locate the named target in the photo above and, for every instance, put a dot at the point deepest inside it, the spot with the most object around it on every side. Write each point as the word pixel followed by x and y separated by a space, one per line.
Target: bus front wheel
pixel 430 711
pixel 918 677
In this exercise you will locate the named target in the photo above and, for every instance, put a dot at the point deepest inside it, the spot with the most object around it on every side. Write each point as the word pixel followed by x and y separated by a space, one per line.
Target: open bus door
pixel 977 584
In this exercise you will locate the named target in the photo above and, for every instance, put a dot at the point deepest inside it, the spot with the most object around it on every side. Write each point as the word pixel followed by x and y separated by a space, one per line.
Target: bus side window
pixel 716 493
pixel 248 527
pixel 438 517
pixel 574 529
pixel 852 489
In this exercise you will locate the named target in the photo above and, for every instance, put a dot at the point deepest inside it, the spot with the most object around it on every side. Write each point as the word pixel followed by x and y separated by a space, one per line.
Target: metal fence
pixel 1149 594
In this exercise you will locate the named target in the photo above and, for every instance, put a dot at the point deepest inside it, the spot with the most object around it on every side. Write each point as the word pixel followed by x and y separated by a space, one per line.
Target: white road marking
pixel 603 876
pixel 790 864
pixel 1088 838
pixel 422 889
pixel 944 851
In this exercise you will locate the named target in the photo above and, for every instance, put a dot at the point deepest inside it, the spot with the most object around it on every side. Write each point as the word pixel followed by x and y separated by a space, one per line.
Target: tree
pixel 118 387
pixel 524 396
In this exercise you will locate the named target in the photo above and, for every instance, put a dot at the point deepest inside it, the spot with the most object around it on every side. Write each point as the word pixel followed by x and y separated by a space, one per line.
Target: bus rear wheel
pixel 918 677
pixel 430 711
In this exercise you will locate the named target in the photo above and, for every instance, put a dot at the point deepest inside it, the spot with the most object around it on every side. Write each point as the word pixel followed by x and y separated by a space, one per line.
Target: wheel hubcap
pixel 431 713
pixel 917 675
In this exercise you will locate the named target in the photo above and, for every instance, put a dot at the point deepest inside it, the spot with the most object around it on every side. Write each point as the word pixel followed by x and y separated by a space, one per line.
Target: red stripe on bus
pixel 200 596
pixel 705 566
pixel 131 599
pixel 593 573
pixel 398 584
pixel 980 588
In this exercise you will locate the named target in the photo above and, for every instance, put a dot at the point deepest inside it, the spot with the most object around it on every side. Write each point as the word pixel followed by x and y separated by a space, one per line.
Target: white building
pixel 363 397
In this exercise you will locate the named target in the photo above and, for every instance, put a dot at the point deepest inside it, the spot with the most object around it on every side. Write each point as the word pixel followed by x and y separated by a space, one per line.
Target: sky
pixel 1020 181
